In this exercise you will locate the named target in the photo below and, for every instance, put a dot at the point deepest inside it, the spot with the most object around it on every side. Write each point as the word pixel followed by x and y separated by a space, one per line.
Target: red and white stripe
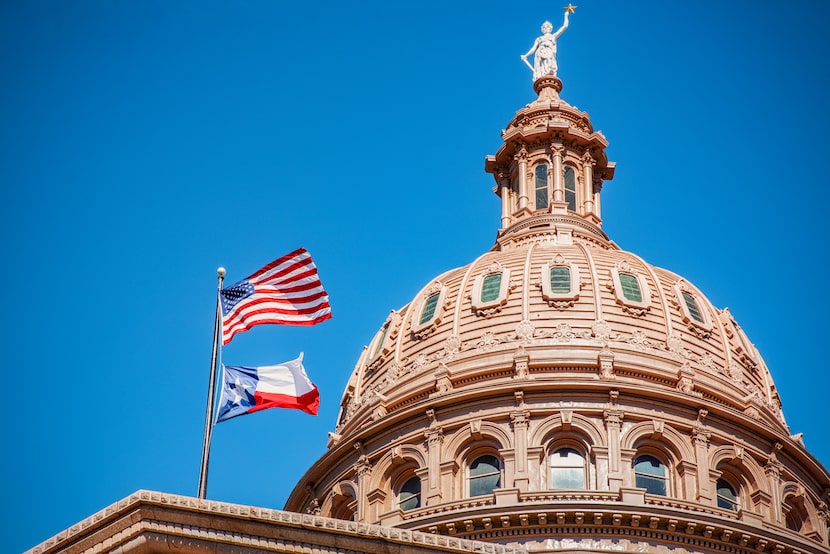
pixel 287 291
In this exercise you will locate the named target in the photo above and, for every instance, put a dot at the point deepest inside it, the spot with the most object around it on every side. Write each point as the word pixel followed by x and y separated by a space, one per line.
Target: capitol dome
pixel 559 393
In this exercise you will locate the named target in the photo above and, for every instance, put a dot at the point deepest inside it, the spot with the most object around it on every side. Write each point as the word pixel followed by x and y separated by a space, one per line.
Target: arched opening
pixel 570 188
pixel 541 173
pixel 409 494
pixel 343 507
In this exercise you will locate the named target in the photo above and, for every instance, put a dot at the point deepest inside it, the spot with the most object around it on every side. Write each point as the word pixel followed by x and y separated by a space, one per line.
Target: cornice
pixel 547 225
pixel 607 520
pixel 147 521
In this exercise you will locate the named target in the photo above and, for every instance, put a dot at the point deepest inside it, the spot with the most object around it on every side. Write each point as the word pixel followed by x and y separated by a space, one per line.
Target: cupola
pixel 550 170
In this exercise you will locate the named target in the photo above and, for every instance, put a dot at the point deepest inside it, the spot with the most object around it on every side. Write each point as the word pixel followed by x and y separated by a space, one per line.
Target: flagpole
pixel 203 472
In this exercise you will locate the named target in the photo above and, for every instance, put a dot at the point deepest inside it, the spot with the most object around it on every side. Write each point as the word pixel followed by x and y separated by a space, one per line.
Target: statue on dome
pixel 544 60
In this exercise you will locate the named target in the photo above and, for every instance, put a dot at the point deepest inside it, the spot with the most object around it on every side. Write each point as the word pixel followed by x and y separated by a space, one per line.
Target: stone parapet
pixel 148 521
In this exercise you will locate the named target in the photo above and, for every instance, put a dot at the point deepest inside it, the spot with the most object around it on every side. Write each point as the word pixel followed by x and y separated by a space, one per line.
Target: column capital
pixel 588 159
pixel 520 418
pixel 701 437
pixel 613 417
pixel 434 435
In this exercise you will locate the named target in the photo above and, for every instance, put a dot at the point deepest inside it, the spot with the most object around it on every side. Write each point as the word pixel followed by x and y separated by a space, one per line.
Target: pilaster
pixel 520 420
pixel 434 437
pixel 613 424
pixel 700 439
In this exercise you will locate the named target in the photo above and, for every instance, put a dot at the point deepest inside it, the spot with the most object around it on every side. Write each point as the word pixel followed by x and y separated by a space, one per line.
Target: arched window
pixel 409 497
pixel 428 311
pixel 567 469
pixel 570 188
pixel 380 339
pixel 541 187
pixel 727 498
pixel 485 475
pixel 650 474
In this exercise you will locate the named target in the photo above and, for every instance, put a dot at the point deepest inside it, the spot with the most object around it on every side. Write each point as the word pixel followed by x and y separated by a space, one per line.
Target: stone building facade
pixel 557 394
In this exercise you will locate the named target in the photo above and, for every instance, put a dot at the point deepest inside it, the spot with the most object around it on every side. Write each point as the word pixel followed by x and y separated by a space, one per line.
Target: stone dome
pixel 669 339
pixel 558 386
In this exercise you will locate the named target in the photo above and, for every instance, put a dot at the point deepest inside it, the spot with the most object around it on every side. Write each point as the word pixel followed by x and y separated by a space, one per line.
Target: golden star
pixel 570 8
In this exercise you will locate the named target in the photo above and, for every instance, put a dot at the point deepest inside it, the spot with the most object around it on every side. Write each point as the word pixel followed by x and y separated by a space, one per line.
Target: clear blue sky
pixel 145 143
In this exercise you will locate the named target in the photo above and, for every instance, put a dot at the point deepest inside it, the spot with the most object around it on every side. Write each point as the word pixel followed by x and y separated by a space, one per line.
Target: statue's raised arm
pixel 544 48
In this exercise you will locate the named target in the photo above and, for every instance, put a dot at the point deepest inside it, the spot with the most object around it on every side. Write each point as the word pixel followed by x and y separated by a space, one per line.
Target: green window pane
pixel 560 280
pixel 691 304
pixel 541 187
pixel 570 188
pixel 490 287
pixel 410 495
pixel 381 340
pixel 485 475
pixel 429 308
pixel 630 287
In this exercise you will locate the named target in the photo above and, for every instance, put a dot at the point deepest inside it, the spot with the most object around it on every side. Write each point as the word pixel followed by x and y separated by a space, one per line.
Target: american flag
pixel 285 292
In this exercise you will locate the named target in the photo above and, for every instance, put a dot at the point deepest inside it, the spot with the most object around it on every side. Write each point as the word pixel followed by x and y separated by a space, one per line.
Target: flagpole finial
pixel 220 271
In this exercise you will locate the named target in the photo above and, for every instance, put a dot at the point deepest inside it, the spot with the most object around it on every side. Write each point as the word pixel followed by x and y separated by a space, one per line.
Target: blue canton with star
pixel 239 385
pixel 232 295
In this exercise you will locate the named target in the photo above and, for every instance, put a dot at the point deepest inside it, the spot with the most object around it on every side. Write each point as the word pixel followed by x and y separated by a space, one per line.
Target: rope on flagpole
pixel 203 472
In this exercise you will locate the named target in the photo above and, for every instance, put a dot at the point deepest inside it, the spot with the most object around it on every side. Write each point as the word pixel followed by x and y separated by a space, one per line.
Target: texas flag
pixel 250 389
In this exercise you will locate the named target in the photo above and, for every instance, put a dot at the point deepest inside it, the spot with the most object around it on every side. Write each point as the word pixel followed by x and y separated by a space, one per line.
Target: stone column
pixel 521 158
pixel 556 150
pixel 700 438
pixel 588 163
pixel 520 420
pixel 613 424
pixel 504 183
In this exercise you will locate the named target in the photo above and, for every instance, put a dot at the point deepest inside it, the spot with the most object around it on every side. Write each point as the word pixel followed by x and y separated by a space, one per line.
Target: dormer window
pixel 427 311
pixel 490 290
pixel 490 287
pixel 560 279
pixel 691 305
pixel 380 340
pixel 694 313
pixel 570 188
pixel 630 289
pixel 541 186
pixel 560 282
